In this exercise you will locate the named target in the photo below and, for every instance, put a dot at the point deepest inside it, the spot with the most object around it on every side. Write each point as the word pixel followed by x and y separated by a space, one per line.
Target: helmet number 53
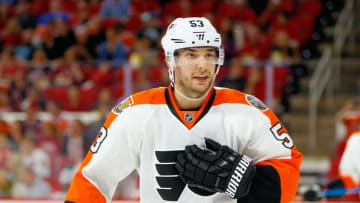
pixel 196 23
pixel 99 140
pixel 282 136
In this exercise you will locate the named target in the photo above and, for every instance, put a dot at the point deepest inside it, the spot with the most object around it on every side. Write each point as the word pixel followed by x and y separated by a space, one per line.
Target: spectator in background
pixel 74 141
pixel 34 158
pixel 235 78
pixel 101 76
pixel 29 185
pixel 119 9
pixel 50 140
pixel 94 7
pixel 31 124
pixel 69 71
pixel 4 14
pixel 226 30
pixel 113 49
pixel 96 35
pixel 45 41
pixel 254 77
pixel 57 116
pixel 178 9
pixel 38 7
pixel 17 90
pixel 94 127
pixel 81 16
pixel 40 70
pixel 272 8
pixel 285 52
pixel 236 10
pixel 67 173
pixel 55 13
pixel 5 183
pixel 256 46
pixel 145 8
pixel 4 102
pixel 282 52
pixel 32 100
pixel 64 36
pixel 142 81
pixel 105 99
pixel 25 50
pixel 5 151
pixel 58 37
pixel 74 101
pixel 152 30
pixel 11 34
pixel 16 134
pixel 145 53
pixel 10 67
pixel 23 15
pixel 82 44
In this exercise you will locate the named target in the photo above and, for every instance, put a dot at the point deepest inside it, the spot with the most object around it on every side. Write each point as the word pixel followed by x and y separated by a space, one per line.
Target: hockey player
pixel 348 177
pixel 191 141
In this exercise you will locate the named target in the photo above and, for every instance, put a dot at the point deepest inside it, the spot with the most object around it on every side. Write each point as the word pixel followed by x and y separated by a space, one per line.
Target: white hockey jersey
pixel 148 130
pixel 349 169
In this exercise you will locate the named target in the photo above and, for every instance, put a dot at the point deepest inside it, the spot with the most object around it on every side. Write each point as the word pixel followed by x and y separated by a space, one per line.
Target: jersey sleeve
pixel 349 169
pixel 112 156
pixel 276 157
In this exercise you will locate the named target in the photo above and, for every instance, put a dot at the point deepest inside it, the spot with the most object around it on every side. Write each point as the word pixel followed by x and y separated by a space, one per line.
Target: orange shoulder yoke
pixel 229 96
pixel 150 96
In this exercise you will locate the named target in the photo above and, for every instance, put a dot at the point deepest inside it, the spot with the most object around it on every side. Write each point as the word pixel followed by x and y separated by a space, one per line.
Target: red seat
pixel 55 93
pixel 222 73
pixel 118 75
pixel 310 7
pixel 156 74
pixel 117 92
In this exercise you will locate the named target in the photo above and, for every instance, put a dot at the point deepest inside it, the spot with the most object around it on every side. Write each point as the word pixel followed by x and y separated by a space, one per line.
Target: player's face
pixel 194 71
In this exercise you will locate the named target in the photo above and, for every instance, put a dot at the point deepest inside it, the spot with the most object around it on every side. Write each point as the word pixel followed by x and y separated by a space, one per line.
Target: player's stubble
pixel 187 83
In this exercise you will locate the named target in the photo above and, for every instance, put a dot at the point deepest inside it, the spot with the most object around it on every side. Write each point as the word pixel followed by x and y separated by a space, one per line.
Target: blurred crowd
pixel 86 55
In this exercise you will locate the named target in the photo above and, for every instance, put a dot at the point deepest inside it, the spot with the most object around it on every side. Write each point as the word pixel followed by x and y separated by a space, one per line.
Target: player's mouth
pixel 201 79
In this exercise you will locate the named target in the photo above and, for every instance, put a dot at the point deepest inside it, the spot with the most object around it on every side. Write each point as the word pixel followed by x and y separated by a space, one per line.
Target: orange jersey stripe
pixel 151 96
pixel 289 172
pixel 348 181
pixel 81 190
pixel 229 96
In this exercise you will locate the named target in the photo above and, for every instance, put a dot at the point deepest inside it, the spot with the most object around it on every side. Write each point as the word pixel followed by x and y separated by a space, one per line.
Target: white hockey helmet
pixel 190 32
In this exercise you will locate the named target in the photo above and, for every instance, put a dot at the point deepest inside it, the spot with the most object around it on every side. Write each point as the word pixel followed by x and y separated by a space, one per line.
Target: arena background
pixel 65 63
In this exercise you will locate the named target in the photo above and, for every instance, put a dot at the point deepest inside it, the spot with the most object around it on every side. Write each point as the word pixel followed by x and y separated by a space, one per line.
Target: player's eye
pixel 210 56
pixel 190 55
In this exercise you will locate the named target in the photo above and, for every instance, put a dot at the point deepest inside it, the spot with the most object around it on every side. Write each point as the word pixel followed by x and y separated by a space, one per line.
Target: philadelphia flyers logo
pixel 171 186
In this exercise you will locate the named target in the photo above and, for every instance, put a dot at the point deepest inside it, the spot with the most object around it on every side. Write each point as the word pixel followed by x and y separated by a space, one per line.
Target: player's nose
pixel 202 63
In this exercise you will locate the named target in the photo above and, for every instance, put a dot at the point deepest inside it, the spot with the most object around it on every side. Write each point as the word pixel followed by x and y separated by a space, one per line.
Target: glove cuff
pixel 240 180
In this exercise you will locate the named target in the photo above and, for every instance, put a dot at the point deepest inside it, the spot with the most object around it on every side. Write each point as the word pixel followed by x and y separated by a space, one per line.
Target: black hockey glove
pixel 217 169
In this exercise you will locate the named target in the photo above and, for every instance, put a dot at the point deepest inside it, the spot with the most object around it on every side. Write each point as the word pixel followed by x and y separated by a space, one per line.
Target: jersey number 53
pixel 280 135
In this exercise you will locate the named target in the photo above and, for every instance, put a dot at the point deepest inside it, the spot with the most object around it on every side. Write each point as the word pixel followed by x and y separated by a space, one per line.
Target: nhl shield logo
pixel 189 117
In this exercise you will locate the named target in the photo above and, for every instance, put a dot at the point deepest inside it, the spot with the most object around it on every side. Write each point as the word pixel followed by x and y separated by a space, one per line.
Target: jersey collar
pixel 189 117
